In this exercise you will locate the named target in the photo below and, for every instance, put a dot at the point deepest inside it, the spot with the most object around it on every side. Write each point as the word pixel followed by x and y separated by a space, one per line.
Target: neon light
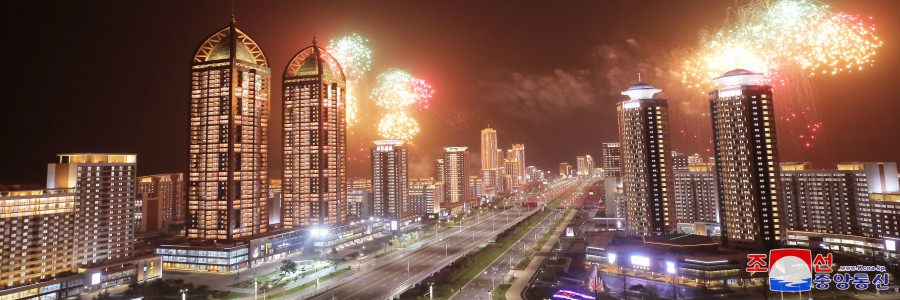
pixel 724 93
pixel 640 261
pixel 567 294
pixel 631 104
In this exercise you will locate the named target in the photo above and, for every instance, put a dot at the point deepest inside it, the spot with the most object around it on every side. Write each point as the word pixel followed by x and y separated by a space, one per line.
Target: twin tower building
pixel 227 184
pixel 746 162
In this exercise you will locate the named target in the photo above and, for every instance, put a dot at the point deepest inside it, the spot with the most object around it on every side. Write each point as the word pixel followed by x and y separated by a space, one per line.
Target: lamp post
pixel 183 294
pixel 255 288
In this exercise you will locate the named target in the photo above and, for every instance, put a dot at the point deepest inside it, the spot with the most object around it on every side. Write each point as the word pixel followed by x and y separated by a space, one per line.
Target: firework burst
pixel 399 89
pixel 355 57
pixel 398 126
pixel 396 93
pixel 778 37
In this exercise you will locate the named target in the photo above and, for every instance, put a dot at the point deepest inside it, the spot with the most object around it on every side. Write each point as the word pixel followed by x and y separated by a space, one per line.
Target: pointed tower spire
pixel 232 12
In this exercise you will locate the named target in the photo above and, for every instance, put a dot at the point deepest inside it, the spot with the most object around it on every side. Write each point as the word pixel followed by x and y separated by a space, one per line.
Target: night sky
pixel 113 76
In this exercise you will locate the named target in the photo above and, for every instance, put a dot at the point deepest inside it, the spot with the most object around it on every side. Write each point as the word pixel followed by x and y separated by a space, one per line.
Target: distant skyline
pixel 108 76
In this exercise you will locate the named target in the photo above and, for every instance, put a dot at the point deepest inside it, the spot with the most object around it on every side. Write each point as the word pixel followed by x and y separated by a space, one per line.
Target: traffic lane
pixel 394 277
pixel 502 264
pixel 395 272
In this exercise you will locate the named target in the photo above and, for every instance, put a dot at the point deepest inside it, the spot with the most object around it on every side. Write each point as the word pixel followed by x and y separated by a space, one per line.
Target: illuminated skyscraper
pixel 104 186
pixel 517 152
pixel 565 169
pixel 490 161
pixel 746 147
pixel 511 169
pixel 390 182
pixel 501 181
pixel 315 140
pixel 647 163
pixel 585 165
pixel 612 160
pixel 229 115
pixel 160 202
pixel 456 174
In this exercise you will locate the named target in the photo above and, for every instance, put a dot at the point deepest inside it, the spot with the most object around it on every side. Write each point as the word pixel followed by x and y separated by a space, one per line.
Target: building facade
pixel 425 198
pixel 160 202
pixel 359 204
pixel 104 203
pixel 585 165
pixel 612 159
pixel 315 140
pixel 696 195
pixel 390 179
pixel 228 148
pixel 455 174
pixel 42 221
pixel 490 161
pixel 746 149
pixel 517 152
pixel 646 162
pixel 565 169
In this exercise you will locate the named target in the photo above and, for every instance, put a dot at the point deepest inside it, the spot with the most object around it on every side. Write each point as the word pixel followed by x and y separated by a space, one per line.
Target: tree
pixel 288 266
pixel 104 295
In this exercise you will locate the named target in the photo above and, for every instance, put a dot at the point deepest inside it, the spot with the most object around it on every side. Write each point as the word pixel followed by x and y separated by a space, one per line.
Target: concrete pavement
pixel 524 277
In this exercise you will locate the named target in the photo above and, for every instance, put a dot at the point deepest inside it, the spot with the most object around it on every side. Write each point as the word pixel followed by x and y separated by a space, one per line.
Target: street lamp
pixel 183 294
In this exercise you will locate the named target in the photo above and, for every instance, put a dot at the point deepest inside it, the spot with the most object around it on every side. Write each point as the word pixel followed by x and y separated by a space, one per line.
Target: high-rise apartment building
pixel 160 202
pixel 455 174
pixel 315 140
pixel 612 159
pixel 440 169
pixel 839 201
pixel 501 180
pixel 647 163
pixel 517 152
pixel 679 162
pixel 585 165
pixel 696 195
pixel 490 161
pixel 565 169
pixel 104 186
pixel 476 186
pixel 510 180
pixel 695 159
pixel 274 202
pixel 38 236
pixel 425 198
pixel 746 148
pixel 359 204
pixel 360 184
pixel 228 155
pixel 390 181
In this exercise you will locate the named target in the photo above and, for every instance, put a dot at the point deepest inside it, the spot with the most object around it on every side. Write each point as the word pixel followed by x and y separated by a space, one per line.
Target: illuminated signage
pixel 612 258
pixel 890 245
pixel 670 267
pixel 95 279
pixel 731 92
pixel 394 225
pixel 631 104
pixel 643 261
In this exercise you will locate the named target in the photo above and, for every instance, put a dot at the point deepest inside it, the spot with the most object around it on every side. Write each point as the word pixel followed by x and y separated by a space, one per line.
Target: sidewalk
pixel 524 276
